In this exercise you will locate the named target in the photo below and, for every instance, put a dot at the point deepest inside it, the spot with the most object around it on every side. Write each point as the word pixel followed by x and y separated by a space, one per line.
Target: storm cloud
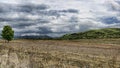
pixel 58 17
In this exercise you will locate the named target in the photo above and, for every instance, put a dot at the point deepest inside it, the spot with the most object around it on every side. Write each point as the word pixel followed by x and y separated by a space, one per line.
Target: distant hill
pixel 33 37
pixel 94 34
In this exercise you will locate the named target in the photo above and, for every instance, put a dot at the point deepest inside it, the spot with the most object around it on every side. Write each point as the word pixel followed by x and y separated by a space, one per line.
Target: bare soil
pixel 85 53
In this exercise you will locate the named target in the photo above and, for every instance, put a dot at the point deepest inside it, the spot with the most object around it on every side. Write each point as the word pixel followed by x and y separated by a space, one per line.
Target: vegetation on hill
pixel 45 37
pixel 94 34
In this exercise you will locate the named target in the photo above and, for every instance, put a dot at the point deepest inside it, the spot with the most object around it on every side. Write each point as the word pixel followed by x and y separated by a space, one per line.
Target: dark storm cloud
pixel 33 9
pixel 39 30
pixel 22 25
pixel 24 20
pixel 33 6
pixel 13 19
pixel 44 30
pixel 70 11
pixel 29 8
pixel 56 13
pixel 21 8
pixel 110 20
pixel 49 13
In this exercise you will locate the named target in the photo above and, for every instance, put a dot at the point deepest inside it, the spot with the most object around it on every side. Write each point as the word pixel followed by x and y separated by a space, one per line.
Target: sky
pixel 58 17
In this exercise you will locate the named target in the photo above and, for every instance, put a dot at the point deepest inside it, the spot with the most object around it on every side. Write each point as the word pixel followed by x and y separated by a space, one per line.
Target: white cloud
pixel 59 16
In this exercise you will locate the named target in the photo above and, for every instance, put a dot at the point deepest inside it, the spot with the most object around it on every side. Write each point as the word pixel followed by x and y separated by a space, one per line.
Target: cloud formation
pixel 58 17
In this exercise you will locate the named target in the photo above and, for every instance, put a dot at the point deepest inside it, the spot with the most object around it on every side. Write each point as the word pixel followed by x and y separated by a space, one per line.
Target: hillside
pixel 33 37
pixel 95 34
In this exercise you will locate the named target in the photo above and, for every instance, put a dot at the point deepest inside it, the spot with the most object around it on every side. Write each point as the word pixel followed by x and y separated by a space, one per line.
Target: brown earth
pixel 86 53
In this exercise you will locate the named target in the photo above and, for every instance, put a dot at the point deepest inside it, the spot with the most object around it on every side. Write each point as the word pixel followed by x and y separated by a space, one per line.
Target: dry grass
pixel 95 53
